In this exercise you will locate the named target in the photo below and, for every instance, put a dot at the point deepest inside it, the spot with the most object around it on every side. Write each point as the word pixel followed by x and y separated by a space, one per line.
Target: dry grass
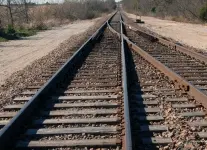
pixel 42 17
pixel 176 10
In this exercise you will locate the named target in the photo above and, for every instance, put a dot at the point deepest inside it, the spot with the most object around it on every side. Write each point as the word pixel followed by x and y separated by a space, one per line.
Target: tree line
pixel 25 14
pixel 189 10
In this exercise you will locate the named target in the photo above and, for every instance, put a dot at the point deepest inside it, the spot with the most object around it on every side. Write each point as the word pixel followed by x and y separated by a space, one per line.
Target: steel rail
pixel 128 137
pixel 12 130
pixel 170 44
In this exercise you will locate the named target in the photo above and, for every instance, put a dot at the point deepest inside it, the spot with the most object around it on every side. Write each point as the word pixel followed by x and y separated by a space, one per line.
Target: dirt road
pixel 194 35
pixel 15 55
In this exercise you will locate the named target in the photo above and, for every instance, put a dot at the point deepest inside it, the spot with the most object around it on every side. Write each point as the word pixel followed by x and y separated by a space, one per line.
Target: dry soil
pixel 16 55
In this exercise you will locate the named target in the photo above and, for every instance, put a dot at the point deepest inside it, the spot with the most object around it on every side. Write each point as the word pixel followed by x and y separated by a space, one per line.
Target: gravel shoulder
pixel 21 79
pixel 16 55
pixel 193 35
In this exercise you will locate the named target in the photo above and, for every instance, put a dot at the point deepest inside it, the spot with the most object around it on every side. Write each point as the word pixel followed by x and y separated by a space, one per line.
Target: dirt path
pixel 15 55
pixel 194 35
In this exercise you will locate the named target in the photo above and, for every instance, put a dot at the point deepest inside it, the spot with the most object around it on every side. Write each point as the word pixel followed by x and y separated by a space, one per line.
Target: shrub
pixel 90 14
pixel 2 39
pixel 153 10
pixel 10 29
pixel 23 32
pixel 40 26
pixel 1 31
pixel 8 34
pixel 203 13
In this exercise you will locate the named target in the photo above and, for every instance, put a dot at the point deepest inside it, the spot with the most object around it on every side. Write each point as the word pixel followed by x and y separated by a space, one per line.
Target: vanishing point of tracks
pixel 113 94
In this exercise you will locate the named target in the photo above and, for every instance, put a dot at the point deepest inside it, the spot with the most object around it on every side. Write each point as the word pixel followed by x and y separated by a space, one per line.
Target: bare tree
pixel 26 10
pixel 7 4
pixel 10 12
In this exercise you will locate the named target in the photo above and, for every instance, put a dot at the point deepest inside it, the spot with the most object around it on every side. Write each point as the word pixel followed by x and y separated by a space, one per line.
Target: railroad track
pixel 190 67
pixel 84 111
pixel 110 94
pixel 193 70
pixel 79 107
pixel 161 113
pixel 165 113
pixel 161 39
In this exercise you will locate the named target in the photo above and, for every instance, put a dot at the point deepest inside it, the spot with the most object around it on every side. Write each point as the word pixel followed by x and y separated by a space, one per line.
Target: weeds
pixel 203 13
pixel 25 32
pixel 11 33
pixel 3 39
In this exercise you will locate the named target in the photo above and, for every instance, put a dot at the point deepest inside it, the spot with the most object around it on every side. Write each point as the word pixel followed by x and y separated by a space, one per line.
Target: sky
pixel 50 1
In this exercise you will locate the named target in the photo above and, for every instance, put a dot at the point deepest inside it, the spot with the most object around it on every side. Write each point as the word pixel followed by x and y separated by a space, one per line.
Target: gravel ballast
pixel 19 80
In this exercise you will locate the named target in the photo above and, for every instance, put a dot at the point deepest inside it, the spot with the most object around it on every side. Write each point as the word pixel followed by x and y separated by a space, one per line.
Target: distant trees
pixel 86 9
pixel 20 16
pixel 18 12
pixel 188 9
pixel 16 9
